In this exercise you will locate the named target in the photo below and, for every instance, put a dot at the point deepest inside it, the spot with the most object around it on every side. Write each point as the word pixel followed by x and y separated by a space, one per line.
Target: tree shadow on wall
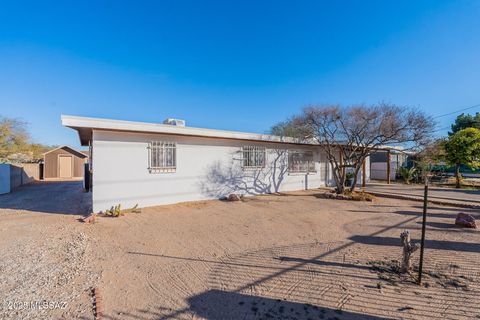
pixel 222 179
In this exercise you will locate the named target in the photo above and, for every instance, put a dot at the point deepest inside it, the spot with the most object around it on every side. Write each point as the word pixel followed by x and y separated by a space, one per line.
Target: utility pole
pixel 389 163
pixel 364 174
pixel 424 224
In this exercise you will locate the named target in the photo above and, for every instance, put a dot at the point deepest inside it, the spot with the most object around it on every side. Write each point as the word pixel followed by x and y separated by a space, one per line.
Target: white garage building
pixel 152 164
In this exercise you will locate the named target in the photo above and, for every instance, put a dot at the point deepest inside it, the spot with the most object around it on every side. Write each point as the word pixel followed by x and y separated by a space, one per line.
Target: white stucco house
pixel 153 164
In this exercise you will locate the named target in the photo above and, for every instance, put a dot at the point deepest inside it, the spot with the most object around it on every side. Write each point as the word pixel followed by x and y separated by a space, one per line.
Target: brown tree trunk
pixel 458 177
pixel 355 178
pixel 340 181
pixel 340 186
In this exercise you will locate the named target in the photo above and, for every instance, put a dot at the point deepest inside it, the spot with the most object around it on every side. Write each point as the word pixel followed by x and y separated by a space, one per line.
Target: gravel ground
pixel 269 257
pixel 45 270
pixel 284 257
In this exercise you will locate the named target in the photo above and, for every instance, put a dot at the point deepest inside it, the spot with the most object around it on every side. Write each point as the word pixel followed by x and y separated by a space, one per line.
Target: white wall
pixel 4 178
pixel 206 169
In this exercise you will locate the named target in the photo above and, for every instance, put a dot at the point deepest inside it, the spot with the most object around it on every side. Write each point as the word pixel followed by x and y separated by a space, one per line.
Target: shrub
pixel 407 174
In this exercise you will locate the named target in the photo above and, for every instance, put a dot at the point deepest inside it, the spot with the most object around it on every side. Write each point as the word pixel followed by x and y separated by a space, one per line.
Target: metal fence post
pixel 424 222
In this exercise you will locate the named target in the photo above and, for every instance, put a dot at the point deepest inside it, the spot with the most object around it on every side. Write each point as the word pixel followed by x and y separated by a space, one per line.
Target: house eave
pixel 85 126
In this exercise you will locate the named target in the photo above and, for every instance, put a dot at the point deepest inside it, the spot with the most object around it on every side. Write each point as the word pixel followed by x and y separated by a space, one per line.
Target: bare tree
pixel 349 134
pixel 15 142
pixel 430 155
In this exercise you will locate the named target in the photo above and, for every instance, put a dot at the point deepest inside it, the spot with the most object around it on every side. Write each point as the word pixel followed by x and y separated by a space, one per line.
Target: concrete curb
pixel 415 198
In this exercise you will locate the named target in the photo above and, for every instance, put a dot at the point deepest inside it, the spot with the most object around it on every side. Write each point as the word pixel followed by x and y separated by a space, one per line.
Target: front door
pixel 65 166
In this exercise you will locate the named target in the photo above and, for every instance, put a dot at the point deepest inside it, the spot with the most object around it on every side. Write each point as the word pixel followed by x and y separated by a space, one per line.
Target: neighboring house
pixel 151 164
pixel 379 161
pixel 63 163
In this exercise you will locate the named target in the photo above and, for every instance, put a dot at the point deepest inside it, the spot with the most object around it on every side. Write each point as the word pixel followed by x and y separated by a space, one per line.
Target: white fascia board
pixel 76 122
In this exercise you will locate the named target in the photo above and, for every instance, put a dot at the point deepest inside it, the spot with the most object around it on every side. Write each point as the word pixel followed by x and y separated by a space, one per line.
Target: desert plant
pixel 116 211
pixel 407 174
pixel 408 249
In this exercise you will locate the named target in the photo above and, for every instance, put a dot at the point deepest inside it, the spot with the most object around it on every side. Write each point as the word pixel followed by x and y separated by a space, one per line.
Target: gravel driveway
pixel 65 197
pixel 45 253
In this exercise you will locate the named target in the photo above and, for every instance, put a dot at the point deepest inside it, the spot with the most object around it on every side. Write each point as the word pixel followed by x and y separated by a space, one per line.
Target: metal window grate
pixel 301 162
pixel 253 157
pixel 162 157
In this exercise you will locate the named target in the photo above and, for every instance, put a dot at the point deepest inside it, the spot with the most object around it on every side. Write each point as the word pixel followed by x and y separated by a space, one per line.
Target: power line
pixel 457 111
pixel 441 129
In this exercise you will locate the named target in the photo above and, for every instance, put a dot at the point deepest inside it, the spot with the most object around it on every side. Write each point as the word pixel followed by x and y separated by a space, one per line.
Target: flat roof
pixel 85 127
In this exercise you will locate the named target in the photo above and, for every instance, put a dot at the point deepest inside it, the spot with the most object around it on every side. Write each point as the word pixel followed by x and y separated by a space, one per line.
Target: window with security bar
pixel 162 157
pixel 253 157
pixel 301 162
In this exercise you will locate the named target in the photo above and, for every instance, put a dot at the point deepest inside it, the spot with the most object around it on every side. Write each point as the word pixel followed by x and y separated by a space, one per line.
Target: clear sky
pixel 235 65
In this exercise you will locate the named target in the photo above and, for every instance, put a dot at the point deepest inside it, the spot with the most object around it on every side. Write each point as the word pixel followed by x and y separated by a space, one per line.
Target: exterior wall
pixel 4 178
pixel 206 168
pixel 368 171
pixel 30 173
pixel 13 176
pixel 51 164
pixel 16 173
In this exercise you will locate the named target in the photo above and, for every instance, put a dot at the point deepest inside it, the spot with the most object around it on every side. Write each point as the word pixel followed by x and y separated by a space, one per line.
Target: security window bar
pixel 253 157
pixel 301 162
pixel 162 157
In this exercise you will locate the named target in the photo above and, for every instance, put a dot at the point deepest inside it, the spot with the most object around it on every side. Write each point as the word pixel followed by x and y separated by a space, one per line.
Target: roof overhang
pixel 85 126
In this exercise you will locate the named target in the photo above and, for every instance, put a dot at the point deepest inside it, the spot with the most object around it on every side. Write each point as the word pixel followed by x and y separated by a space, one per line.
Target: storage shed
pixel 63 163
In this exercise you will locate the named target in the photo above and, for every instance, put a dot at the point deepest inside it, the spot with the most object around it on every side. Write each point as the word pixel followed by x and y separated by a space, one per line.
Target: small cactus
pixel 116 211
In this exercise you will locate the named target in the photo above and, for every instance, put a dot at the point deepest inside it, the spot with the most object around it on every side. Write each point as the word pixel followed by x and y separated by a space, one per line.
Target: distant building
pixel 378 163
pixel 63 163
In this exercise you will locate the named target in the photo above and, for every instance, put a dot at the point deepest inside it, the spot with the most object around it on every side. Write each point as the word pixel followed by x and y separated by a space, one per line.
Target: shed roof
pixel 69 149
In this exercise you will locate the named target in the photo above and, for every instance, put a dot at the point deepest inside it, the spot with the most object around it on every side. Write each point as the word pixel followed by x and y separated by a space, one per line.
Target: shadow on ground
pixel 58 197
pixel 232 305
pixel 319 281
pixel 429 244
pixel 328 280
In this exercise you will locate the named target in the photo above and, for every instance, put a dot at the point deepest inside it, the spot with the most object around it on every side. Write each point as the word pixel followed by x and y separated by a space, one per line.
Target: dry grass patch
pixel 354 196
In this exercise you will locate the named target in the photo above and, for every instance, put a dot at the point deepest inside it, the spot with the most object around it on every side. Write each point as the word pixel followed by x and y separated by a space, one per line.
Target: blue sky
pixel 235 65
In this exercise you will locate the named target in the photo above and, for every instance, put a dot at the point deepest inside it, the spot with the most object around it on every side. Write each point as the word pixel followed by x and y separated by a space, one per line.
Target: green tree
pixel 465 121
pixel 463 147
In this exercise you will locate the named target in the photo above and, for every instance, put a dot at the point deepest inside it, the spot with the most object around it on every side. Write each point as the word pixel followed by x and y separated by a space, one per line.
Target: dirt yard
pixel 270 257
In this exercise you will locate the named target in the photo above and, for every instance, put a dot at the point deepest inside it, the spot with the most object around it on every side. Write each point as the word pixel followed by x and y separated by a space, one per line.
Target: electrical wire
pixel 457 111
